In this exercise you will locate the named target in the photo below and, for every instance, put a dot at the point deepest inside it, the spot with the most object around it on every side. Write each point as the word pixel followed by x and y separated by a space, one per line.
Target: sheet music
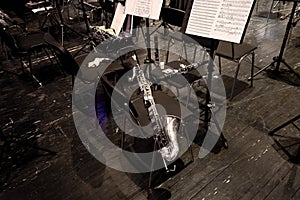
pixel 119 18
pixel 144 8
pixel 219 19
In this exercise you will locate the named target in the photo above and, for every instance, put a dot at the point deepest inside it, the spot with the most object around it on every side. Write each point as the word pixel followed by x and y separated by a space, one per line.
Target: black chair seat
pixel 209 44
pixel 65 58
pixel 225 50
pixel 191 76
pixel 172 16
pixel 30 41
pixel 236 53
pixel 91 74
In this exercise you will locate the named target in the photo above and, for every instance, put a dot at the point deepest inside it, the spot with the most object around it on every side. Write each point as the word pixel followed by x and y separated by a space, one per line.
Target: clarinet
pixel 145 87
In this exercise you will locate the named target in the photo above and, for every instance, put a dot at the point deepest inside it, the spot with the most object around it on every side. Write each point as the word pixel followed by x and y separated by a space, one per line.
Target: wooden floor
pixel 253 167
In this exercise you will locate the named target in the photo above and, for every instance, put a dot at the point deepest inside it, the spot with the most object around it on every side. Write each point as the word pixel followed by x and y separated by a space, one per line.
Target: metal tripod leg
pixel 279 59
pixel 290 68
pixel 222 137
pixel 276 60
pixel 296 158
pixel 263 69
pixel 291 121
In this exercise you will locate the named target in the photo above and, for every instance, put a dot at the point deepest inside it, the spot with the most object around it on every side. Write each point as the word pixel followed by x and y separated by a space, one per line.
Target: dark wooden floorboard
pixel 253 167
pixel 205 172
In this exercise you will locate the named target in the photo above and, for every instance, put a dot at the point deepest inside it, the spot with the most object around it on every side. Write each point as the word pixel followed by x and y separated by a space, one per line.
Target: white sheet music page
pixel 219 19
pixel 144 8
pixel 119 18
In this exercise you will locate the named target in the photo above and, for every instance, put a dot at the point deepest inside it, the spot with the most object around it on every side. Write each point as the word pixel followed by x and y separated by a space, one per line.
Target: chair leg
pixel 190 146
pixel 22 65
pixel 34 78
pixel 268 17
pixel 168 48
pixel 252 68
pixel 73 80
pixel 188 96
pixel 4 49
pixel 195 52
pixel 152 165
pixel 185 52
pixel 30 64
pixel 48 55
pixel 123 133
pixel 235 77
pixel 220 64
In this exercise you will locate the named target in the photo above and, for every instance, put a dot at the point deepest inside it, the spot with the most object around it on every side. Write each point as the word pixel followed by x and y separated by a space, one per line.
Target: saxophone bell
pixel 171 126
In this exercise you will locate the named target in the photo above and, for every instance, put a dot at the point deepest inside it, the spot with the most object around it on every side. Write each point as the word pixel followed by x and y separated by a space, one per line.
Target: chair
pixel 24 45
pixel 137 111
pixel 71 65
pixel 168 18
pixel 92 8
pixel 108 10
pixel 180 4
pixel 64 57
pixel 172 111
pixel 108 81
pixel 236 53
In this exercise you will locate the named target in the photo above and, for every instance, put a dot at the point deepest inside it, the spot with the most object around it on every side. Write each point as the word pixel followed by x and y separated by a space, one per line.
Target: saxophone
pixel 165 128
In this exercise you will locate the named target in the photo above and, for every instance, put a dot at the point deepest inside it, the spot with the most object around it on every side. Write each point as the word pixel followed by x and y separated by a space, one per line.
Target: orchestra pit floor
pixel 253 167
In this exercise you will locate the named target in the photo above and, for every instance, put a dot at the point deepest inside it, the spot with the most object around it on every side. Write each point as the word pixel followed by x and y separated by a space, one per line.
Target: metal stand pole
pixel 279 59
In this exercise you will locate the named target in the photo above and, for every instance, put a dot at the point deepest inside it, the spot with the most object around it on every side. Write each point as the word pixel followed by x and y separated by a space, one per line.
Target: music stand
pixel 279 59
pixel 211 43
pixel 60 21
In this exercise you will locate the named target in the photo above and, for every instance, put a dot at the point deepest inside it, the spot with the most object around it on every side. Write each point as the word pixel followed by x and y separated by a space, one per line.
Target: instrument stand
pixel 154 193
pixel 208 105
pixel 277 60
pixel 148 59
pixel 158 193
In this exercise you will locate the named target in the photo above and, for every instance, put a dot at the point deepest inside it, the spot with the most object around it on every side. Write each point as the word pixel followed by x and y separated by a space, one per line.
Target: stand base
pixel 159 193
pixel 222 137
pixel 292 158
pixel 166 27
pixel 291 121
pixel 276 61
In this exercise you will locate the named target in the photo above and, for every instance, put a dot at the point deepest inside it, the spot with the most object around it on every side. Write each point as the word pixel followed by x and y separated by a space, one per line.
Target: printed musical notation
pixel 144 8
pixel 219 19
pixel 118 19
